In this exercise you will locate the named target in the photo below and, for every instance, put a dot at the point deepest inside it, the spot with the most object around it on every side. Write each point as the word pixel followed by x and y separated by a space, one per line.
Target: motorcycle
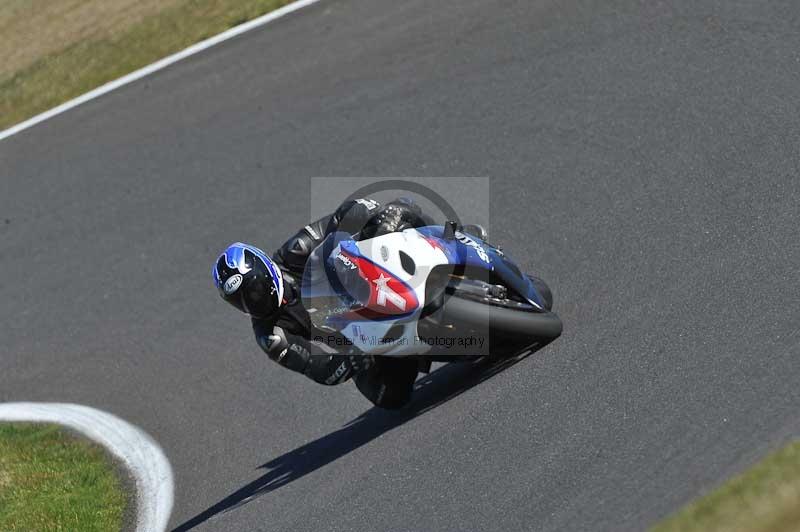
pixel 435 293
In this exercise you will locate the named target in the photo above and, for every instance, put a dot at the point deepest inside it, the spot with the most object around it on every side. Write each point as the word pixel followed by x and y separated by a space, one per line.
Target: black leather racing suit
pixel 288 337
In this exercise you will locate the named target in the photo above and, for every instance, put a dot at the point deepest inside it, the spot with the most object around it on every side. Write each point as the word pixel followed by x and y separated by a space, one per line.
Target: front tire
pixel 519 324
pixel 544 291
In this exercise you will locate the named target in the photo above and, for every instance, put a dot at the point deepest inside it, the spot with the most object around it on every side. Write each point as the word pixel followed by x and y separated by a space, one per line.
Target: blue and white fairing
pixel 366 289
pixel 469 250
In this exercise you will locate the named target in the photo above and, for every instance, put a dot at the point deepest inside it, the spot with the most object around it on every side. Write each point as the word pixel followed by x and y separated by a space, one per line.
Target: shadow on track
pixel 434 389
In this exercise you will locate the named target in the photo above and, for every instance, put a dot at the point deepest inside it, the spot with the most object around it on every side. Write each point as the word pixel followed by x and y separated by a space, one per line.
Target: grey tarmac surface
pixel 643 159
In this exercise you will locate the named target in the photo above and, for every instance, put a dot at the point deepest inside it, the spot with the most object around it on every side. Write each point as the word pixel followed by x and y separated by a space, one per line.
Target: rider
pixel 268 290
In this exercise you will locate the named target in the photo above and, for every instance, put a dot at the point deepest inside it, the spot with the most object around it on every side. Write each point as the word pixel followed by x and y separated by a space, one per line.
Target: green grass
pixel 88 62
pixel 52 481
pixel 765 498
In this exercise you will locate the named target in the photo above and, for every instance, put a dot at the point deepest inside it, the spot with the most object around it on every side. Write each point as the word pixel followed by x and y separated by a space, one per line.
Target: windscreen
pixel 332 287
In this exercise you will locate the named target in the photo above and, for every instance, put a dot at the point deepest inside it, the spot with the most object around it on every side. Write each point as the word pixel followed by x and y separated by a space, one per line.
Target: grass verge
pixel 765 498
pixel 88 56
pixel 52 481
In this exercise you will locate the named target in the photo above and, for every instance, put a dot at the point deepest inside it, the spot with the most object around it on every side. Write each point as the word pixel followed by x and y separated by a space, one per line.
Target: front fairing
pixel 360 289
pixel 468 250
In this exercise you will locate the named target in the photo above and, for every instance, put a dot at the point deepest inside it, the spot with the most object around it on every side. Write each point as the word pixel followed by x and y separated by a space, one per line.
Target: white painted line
pixel 158 65
pixel 139 452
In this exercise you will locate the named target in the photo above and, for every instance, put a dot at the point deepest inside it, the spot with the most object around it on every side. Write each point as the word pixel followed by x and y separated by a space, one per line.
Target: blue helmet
pixel 249 280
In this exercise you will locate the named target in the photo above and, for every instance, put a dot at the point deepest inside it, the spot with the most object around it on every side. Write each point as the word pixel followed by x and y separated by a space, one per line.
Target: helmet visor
pixel 258 295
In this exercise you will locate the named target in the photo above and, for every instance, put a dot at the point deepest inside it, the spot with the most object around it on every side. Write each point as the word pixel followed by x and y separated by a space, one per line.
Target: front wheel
pixel 517 323
pixel 544 291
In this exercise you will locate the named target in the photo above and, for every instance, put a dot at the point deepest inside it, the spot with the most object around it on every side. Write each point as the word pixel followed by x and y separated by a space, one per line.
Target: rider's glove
pixel 394 216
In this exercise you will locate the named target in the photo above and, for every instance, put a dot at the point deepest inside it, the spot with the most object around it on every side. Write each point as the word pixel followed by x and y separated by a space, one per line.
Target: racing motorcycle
pixel 436 293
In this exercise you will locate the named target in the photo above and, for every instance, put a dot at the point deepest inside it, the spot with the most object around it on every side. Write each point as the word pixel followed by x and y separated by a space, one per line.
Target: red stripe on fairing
pixel 371 272
pixel 434 243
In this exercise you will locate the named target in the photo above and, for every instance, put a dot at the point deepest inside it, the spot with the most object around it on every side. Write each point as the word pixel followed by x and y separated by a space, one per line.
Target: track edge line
pixel 139 452
pixel 156 66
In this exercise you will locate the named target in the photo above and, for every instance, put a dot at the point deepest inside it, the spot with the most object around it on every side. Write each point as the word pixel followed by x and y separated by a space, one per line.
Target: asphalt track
pixel 643 158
